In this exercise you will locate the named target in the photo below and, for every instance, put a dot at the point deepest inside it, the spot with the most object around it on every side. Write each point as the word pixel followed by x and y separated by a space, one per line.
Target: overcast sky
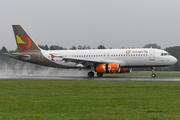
pixel 113 23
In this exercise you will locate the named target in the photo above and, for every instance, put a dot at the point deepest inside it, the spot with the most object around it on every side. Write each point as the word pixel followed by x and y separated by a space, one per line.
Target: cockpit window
pixel 164 54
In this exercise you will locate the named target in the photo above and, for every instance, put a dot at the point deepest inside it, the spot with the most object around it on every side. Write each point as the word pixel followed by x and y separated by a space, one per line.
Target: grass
pixel 94 100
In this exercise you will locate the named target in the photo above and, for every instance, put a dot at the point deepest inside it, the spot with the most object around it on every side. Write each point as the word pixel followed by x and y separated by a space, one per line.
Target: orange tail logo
pixel 21 42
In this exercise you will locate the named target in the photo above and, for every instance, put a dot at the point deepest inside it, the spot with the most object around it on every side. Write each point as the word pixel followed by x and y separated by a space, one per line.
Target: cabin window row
pixel 114 55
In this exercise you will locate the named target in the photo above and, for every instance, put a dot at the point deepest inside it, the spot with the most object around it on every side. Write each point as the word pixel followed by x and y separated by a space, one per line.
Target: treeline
pixel 12 64
pixel 80 47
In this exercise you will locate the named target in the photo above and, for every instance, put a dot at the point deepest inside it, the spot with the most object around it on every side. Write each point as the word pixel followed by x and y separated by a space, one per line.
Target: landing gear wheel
pixel 153 75
pixel 99 74
pixel 91 74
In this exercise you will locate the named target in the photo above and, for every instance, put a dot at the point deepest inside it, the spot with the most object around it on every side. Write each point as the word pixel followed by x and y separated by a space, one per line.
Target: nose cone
pixel 173 60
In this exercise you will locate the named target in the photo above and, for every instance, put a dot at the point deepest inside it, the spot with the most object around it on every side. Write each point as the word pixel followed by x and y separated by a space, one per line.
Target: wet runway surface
pixel 29 77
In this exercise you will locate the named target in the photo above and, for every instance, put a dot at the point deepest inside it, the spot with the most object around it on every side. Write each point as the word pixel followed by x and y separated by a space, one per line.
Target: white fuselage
pixel 145 57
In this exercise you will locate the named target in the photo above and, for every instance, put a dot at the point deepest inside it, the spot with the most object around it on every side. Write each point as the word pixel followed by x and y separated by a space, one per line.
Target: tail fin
pixel 24 42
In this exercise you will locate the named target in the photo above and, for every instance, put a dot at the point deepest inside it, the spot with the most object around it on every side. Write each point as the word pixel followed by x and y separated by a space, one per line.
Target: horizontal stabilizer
pixel 25 57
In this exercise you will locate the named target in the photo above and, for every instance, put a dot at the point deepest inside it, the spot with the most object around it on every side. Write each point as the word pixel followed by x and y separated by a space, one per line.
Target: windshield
pixel 164 54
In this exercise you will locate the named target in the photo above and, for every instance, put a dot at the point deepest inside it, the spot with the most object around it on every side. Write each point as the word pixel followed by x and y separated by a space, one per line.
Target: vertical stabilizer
pixel 24 42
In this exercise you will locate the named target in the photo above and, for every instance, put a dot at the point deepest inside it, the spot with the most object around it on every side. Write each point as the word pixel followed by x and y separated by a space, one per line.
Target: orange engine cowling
pixel 108 68
pixel 125 70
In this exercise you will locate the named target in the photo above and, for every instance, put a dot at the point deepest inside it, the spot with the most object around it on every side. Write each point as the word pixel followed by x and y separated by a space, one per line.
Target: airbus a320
pixel 98 61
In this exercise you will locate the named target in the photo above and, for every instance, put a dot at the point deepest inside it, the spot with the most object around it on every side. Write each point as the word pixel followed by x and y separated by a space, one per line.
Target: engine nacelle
pixel 108 68
pixel 125 70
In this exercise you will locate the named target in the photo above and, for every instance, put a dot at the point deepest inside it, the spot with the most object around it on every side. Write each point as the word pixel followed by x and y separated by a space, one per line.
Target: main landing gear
pixel 99 74
pixel 153 74
pixel 91 74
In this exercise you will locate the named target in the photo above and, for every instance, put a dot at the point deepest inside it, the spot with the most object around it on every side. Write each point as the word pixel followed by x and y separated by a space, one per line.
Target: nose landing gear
pixel 153 74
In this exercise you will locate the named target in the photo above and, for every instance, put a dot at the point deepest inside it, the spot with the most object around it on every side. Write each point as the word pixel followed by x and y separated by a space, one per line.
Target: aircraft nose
pixel 173 60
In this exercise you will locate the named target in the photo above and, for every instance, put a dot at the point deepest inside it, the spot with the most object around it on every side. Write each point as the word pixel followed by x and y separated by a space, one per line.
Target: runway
pixel 29 77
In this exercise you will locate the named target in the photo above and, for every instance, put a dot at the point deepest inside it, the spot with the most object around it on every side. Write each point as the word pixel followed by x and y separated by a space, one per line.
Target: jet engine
pixel 126 70
pixel 108 68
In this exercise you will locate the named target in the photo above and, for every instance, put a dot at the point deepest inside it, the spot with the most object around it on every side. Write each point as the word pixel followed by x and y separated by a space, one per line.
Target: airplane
pixel 98 61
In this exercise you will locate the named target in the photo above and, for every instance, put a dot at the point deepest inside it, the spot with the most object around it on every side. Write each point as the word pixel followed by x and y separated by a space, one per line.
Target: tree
pixel 46 47
pixel 152 45
pixel 4 58
pixel 73 48
pixel 101 47
pixel 13 51
pixel 56 47
pixel 87 47
pixel 4 50
pixel 80 47
pixel 42 47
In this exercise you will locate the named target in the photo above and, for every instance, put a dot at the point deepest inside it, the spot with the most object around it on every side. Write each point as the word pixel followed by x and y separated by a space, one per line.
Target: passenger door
pixel 151 55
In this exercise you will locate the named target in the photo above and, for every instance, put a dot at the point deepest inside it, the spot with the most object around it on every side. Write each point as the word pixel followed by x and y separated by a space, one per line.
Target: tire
pixel 91 74
pixel 99 74
pixel 153 75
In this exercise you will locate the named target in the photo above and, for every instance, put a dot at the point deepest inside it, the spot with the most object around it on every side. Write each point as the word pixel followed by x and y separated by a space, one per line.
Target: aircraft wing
pixel 88 62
